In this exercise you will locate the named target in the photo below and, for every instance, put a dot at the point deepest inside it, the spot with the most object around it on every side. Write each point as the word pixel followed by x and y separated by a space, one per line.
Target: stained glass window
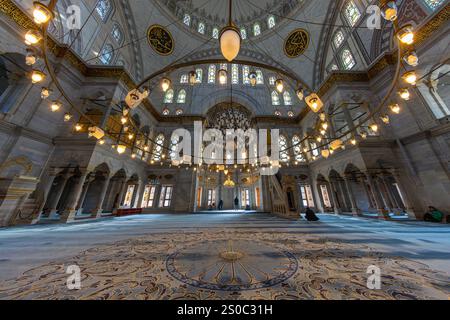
pixel 215 33
pixel 245 73
pixel 107 54
pixel 284 155
pixel 158 148
pixel 181 96
pixel 243 33
pixel 347 59
pixel 434 4
pixel 199 73
pixel 315 150
pixel 352 13
pixel 297 147
pixel 235 74
pixel 271 22
pixel 103 9
pixel 212 74
pixel 338 38
pixel 117 33
pixel 272 81
pixel 201 28
pixel 256 29
pixel 184 79
pixel 259 77
pixel 168 98
pixel 187 20
pixel 287 98
pixel 275 98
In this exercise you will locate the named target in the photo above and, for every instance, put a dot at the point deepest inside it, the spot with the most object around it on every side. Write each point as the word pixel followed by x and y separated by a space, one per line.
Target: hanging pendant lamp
pixel 230 38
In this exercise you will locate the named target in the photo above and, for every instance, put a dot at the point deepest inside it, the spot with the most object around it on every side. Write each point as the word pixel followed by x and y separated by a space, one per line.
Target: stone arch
pixel 223 96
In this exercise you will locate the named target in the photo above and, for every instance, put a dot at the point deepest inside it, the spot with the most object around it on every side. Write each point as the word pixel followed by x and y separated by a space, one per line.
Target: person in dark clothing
pixel 236 203
pixel 433 215
pixel 220 204
pixel 310 215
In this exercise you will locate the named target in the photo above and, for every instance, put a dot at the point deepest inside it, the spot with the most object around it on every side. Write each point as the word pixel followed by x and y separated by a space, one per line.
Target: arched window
pixel 287 98
pixel 434 4
pixel 245 73
pixel 256 29
pixel 212 74
pixel 347 59
pixel 187 20
pixel 184 79
pixel 117 33
pixel 173 146
pixel 158 148
pixel 107 54
pixel 338 38
pixel 168 98
pixel 272 81
pixel 166 112
pixel 271 22
pixel 199 73
pixel 352 13
pixel 181 96
pixel 284 155
pixel 243 33
pixel 103 9
pixel 259 77
pixel 215 33
pixel 201 28
pixel 235 74
pixel 315 150
pixel 275 98
pixel 297 147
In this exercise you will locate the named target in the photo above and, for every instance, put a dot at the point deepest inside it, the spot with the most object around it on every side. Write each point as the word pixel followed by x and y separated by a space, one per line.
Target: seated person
pixel 310 215
pixel 433 215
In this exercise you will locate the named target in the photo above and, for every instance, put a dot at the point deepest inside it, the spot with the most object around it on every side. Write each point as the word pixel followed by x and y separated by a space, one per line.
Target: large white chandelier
pixel 230 38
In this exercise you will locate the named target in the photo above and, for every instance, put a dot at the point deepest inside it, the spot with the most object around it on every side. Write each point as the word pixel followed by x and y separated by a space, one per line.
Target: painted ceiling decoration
pixel 160 40
pixel 296 43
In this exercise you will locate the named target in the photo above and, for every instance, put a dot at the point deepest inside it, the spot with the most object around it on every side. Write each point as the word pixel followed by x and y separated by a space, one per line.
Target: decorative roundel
pixel 296 43
pixel 160 40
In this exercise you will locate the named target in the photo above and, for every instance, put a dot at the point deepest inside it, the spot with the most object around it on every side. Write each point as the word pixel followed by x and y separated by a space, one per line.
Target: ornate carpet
pixel 230 265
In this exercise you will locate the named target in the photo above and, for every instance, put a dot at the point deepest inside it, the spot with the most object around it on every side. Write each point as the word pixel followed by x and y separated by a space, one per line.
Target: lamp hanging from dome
pixel 229 183
pixel 230 38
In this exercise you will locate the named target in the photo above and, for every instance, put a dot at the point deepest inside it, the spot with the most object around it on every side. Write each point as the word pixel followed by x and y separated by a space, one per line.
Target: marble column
pixel 70 212
pixel 376 195
pixel 342 189
pixel 97 213
pixel 391 194
pixel 141 195
pixel 53 205
pixel 355 210
pixel 406 201
pixel 123 190
pixel 46 192
pixel 383 188
pixel 337 209
pixel 83 194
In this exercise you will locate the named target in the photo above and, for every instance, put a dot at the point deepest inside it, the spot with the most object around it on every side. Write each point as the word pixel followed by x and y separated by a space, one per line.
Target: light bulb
pixel 37 76
pixel 30 58
pixel 123 120
pixel 374 127
pixel 133 156
pixel 32 37
pixel 323 132
pixel 121 149
pixel 55 106
pixel 101 141
pixel 230 42
pixel 411 58
pixel 300 94
pixel 395 108
pixel 319 139
pixel 41 13
pixel 410 77
pixel 130 136
pixel 165 84
pixel 353 142
pixel 78 127
pixel 314 103
pixel 389 11
pixel 385 119
pixel 45 93
pixel 406 34
pixel 325 126
pixel 279 85
pixel 404 94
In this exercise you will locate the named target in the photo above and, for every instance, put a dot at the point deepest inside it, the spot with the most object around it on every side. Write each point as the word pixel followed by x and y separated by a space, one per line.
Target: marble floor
pixel 226 256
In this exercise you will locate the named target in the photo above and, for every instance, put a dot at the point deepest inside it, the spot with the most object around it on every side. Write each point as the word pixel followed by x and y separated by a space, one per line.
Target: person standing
pixel 236 203
pixel 220 204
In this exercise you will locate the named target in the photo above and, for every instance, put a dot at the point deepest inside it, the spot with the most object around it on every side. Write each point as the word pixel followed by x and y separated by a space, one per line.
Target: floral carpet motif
pixel 230 265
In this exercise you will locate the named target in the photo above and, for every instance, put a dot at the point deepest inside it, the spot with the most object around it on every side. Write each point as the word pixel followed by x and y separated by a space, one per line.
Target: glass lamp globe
pixel 230 42
pixel 389 11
